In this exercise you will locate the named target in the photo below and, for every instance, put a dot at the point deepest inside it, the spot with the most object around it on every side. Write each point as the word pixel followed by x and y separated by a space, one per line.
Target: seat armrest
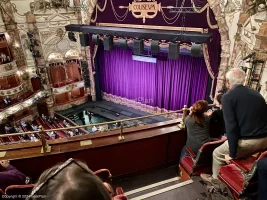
pixel 240 165
pixel 191 153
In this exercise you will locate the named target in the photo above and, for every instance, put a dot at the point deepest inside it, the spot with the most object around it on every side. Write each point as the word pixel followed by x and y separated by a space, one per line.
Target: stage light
pixel 95 39
pixel 138 47
pixel 84 40
pixel 72 37
pixel 174 50
pixel 155 46
pixel 108 43
pixel 123 44
pixel 196 50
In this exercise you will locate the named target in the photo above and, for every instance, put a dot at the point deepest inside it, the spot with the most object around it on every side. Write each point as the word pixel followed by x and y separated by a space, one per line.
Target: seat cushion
pixel 232 177
pixel 188 164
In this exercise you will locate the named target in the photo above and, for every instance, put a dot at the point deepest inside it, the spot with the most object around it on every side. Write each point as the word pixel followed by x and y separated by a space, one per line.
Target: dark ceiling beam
pixel 172 36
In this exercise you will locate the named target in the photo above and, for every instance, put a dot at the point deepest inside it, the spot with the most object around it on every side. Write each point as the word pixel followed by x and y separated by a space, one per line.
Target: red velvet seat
pixel 200 163
pixel 241 176
pixel 104 175
pixel 19 191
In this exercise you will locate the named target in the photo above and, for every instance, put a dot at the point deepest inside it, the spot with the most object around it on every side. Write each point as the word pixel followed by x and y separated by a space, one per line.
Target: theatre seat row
pixel 240 176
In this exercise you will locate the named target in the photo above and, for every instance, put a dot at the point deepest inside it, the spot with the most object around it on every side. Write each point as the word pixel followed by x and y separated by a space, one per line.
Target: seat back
pixel 19 191
pixel 1 194
pixel 121 197
pixel 104 175
pixel 252 175
pixel 204 155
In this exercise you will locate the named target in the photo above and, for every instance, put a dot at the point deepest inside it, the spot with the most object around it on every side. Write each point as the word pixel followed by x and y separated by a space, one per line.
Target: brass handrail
pixel 184 110
pixel 88 125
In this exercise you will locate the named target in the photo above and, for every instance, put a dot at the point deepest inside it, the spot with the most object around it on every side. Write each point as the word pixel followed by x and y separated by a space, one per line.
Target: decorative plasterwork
pixel 72 54
pixel 8 69
pixel 68 88
pixel 20 106
pixel 69 104
pixel 55 57
pixel 12 91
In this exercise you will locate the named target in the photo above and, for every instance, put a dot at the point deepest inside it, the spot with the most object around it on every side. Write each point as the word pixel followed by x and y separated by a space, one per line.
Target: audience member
pixel 216 118
pixel 244 111
pixel 7 127
pixel 52 135
pixel 94 129
pixel 10 175
pixel 197 125
pixel 72 180
pixel 262 176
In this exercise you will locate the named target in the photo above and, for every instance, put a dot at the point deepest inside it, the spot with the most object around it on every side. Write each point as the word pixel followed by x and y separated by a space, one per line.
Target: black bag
pixel 217 191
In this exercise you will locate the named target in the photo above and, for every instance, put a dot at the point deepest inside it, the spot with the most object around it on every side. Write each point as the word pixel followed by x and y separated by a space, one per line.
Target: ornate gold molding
pixel 11 91
pixel 8 69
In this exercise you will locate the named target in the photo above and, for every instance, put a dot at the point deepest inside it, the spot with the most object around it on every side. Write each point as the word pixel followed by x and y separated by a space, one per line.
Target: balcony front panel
pixel 68 88
pixel 8 69
pixel 12 91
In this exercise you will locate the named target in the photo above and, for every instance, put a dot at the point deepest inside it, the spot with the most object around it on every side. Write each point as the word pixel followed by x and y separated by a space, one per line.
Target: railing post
pixel 181 125
pixel 121 137
pixel 45 147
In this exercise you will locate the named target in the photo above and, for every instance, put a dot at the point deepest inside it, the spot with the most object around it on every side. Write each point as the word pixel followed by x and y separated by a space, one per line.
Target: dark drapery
pixel 167 84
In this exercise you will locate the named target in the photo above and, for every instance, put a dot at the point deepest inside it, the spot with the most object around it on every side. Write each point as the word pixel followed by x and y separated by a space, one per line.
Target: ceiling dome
pixel 72 54
pixel 55 57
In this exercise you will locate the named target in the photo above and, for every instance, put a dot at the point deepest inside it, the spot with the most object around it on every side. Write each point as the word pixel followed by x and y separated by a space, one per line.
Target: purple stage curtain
pixel 167 84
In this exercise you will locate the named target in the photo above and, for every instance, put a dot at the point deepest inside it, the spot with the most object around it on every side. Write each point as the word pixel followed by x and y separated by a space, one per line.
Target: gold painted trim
pixel 2 154
pixel 86 143
pixel 170 28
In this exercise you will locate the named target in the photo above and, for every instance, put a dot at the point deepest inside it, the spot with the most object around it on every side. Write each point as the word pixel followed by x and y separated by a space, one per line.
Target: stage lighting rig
pixel 72 37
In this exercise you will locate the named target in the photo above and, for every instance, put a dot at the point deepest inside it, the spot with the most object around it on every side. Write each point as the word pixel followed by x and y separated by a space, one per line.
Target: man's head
pixel 235 76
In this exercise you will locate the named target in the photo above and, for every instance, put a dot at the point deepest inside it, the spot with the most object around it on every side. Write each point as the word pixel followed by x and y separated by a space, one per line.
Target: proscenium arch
pixel 223 30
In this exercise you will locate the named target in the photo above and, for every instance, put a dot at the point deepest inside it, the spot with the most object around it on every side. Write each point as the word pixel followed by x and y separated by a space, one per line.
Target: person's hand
pixel 190 109
pixel 209 112
pixel 4 163
pixel 228 159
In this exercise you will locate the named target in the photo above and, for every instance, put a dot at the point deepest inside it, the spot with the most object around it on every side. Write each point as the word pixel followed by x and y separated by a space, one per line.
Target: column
pixel 39 61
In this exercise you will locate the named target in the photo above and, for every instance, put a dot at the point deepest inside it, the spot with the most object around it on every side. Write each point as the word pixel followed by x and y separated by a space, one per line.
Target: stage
pixel 104 111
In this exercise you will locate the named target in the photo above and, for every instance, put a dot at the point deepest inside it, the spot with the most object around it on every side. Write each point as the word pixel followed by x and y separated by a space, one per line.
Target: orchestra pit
pixel 133 99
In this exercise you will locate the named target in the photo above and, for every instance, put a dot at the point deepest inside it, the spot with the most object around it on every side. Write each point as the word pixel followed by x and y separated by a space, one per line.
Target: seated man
pixel 10 175
pixel 245 118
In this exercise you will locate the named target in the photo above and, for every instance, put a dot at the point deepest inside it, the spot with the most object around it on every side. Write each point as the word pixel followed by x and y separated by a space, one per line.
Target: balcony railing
pixel 11 91
pixel 68 88
pixel 4 113
pixel 8 69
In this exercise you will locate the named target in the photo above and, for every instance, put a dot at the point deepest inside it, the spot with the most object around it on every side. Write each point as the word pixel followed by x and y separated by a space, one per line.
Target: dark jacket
pixel 245 116
pixel 197 135
pixel 11 176
pixel 217 123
